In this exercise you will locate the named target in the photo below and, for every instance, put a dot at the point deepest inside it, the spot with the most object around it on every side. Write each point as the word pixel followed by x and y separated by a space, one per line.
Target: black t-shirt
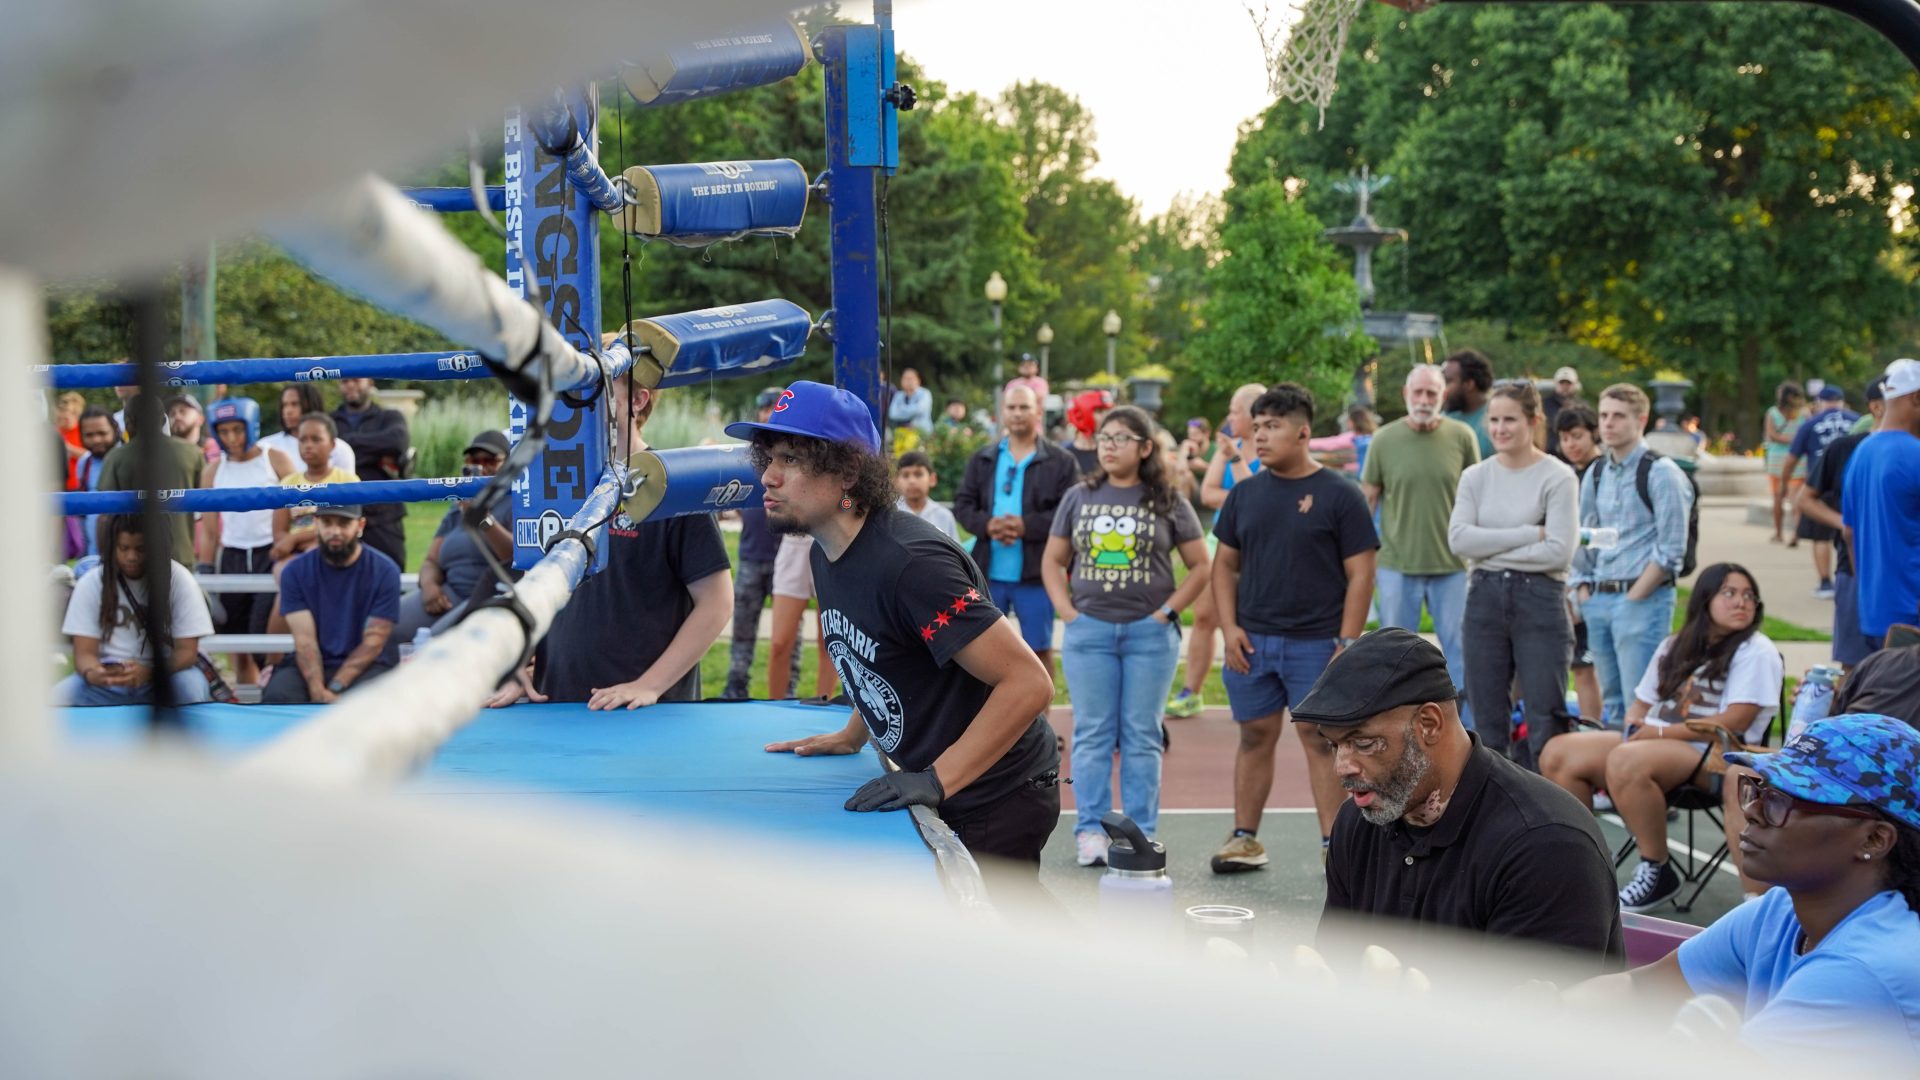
pixel 1513 856
pixel 1828 476
pixel 621 619
pixel 1088 460
pixel 1293 536
pixel 896 608
pixel 1886 682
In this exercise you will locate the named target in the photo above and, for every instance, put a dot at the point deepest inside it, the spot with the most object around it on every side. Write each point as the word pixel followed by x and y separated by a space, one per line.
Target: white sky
pixel 1167 83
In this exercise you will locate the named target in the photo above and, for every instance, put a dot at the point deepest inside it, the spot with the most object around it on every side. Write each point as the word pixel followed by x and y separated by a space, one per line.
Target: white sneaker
pixel 1090 848
pixel 1601 802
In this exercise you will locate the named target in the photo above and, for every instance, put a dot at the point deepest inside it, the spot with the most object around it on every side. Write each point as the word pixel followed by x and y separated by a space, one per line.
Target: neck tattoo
pixel 1429 811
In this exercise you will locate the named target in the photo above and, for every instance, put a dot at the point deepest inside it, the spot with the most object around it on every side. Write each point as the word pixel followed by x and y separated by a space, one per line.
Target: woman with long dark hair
pixel 1826 962
pixel 1108 568
pixel 1720 670
pixel 1516 517
pixel 107 620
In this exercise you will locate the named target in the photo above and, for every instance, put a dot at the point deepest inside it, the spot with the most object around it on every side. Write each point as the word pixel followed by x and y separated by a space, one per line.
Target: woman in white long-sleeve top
pixel 1516 519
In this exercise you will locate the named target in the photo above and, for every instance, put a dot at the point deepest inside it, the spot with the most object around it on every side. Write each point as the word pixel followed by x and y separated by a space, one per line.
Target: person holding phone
pixel 107 620
pixel 1719 670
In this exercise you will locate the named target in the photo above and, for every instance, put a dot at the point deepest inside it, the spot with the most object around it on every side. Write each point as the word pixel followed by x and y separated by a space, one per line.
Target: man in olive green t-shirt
pixel 1413 469
pixel 179 468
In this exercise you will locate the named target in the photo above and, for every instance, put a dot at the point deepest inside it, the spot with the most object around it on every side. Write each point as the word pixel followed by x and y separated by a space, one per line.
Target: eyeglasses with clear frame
pixel 1773 807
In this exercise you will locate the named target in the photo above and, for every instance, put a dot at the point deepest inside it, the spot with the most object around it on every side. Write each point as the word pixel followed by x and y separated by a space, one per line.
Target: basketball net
pixel 1303 41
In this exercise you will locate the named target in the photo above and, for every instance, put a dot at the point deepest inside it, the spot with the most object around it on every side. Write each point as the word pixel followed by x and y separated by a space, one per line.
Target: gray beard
pixel 1392 797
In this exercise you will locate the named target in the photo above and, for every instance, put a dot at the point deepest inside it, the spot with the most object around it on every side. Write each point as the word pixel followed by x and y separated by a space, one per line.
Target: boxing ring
pixel 537 331
pixel 675 767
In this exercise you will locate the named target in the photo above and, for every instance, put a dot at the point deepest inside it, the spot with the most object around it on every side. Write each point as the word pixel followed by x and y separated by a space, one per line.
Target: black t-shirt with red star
pixel 902 601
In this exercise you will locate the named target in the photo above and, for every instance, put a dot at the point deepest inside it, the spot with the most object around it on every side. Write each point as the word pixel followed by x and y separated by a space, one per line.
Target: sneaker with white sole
pixel 1602 802
pixel 1653 884
pixel 1241 853
pixel 1823 591
pixel 1090 848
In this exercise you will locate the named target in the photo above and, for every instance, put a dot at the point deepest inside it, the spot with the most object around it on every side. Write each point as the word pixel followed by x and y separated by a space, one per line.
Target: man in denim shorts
pixel 1291 582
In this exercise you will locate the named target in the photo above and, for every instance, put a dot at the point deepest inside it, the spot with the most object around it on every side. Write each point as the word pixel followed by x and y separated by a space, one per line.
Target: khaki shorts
pixel 793 567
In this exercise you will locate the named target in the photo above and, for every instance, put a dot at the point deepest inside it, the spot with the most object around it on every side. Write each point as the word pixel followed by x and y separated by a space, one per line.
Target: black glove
pixel 897 791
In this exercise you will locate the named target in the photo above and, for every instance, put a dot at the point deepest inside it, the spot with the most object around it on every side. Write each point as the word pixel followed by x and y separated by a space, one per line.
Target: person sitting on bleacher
pixel 107 620
pixel 1828 961
pixel 1718 670
pixel 340 601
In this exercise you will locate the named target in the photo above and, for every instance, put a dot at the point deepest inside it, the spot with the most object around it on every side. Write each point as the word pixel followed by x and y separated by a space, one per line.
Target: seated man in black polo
pixel 1441 831
pixel 340 599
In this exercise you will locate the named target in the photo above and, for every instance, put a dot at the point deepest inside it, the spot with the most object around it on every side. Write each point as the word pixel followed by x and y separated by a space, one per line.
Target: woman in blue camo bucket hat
pixel 1828 960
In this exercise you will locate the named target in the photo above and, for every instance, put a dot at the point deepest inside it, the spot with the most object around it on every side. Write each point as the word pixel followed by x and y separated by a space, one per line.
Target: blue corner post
pixel 558 231
pixel 862 142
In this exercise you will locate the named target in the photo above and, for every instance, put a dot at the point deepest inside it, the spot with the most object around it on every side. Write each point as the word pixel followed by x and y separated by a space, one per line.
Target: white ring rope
pixel 372 240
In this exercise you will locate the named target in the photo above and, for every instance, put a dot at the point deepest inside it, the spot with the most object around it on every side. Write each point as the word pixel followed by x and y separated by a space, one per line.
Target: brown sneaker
pixel 1241 854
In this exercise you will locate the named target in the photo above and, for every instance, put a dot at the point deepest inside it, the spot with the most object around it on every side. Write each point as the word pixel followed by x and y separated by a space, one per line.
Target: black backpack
pixel 1641 483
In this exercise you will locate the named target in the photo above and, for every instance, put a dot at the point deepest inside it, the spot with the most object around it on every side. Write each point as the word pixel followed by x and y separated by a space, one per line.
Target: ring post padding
pixel 693 480
pixel 420 367
pixel 227 500
pixel 754 57
pixel 697 204
pixel 718 343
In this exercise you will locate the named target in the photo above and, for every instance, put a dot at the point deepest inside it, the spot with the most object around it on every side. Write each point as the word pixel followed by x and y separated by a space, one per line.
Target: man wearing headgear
pixel 938 679
pixel 1442 831
pixel 240 541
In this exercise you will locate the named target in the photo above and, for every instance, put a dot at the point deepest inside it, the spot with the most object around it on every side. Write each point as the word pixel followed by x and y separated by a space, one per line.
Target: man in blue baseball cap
pixel 938 680
pixel 1828 961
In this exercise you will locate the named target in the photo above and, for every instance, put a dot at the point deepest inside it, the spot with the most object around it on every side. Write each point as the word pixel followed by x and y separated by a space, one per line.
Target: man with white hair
pixel 1413 470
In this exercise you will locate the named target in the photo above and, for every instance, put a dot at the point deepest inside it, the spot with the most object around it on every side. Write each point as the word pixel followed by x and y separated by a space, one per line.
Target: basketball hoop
pixel 1303 52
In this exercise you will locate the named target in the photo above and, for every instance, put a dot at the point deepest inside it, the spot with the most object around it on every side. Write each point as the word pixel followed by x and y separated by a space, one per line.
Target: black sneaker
pixel 1653 884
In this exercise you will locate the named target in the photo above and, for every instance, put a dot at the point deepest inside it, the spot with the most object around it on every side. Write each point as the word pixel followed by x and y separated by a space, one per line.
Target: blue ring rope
pixel 415 366
pixel 212 500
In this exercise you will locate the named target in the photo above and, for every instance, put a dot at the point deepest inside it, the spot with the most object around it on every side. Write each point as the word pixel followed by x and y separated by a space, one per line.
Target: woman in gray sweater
pixel 1516 519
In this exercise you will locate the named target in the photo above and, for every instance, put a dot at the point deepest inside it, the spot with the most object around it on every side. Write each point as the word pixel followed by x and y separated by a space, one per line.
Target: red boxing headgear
pixel 1080 413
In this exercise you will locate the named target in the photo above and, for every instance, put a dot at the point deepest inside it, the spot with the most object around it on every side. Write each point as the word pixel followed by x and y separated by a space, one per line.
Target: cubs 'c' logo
pixel 781 405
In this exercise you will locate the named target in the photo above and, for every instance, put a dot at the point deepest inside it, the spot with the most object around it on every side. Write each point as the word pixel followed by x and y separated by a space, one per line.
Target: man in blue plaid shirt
pixel 1626 592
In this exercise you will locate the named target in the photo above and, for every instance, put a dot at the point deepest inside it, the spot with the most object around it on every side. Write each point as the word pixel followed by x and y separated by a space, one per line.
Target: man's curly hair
pixel 872 481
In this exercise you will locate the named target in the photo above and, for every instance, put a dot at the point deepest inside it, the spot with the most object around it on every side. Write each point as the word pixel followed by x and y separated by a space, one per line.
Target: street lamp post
pixel 997 295
pixel 1044 336
pixel 1111 324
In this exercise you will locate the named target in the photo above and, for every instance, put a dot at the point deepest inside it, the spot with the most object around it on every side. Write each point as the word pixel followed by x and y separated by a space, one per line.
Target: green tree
pixel 1707 188
pixel 1279 307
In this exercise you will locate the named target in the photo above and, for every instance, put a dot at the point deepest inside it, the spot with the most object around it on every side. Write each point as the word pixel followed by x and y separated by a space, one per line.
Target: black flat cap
pixel 1380 672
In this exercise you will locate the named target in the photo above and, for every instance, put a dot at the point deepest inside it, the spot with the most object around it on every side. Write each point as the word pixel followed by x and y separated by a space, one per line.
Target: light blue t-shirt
pixel 1252 463
pixel 1857 993
pixel 1009 483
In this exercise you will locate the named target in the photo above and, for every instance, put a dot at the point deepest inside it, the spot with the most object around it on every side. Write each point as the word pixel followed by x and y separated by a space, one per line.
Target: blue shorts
pixel 1028 605
pixel 1279 673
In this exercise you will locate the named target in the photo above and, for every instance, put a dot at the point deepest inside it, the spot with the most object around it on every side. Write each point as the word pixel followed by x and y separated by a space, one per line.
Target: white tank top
pixel 246 528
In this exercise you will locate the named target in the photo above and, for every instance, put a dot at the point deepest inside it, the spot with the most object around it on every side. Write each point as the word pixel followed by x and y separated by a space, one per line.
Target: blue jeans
pixel 1623 635
pixel 1401 597
pixel 1118 675
pixel 1027 603
pixel 189 688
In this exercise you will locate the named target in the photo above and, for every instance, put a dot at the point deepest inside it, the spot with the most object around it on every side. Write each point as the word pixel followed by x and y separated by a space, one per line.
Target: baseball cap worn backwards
pixel 1903 378
pixel 1381 671
pixel 1861 759
pixel 816 411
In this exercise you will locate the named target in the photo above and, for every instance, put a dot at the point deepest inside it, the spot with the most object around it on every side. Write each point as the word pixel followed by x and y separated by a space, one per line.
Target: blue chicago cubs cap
pixel 817 411
pixel 1858 759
